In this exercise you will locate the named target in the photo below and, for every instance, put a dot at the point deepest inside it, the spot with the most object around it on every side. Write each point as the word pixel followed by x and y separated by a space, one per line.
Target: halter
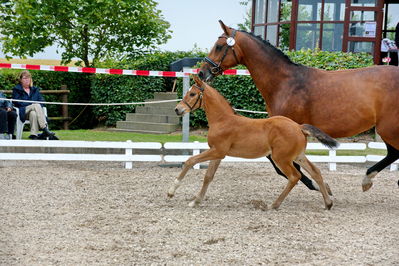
pixel 199 98
pixel 230 41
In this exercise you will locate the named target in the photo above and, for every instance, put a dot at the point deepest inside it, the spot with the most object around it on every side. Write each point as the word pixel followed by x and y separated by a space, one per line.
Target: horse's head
pixel 193 98
pixel 224 54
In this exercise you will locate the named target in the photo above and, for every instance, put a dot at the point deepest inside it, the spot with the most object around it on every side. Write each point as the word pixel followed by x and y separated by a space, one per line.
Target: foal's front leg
pixel 210 173
pixel 210 154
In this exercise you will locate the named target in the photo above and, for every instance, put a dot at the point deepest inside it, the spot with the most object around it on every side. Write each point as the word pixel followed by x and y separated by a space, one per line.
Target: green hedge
pixel 117 88
pixel 101 88
pixel 241 92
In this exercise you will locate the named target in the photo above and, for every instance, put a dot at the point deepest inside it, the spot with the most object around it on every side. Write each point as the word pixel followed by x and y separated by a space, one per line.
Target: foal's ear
pixel 198 81
pixel 224 28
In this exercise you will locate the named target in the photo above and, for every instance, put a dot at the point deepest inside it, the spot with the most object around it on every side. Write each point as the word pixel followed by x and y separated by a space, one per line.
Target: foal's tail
pixel 325 139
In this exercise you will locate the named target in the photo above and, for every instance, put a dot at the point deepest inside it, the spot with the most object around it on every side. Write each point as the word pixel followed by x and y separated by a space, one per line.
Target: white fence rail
pixel 128 146
pixel 185 150
pixel 331 158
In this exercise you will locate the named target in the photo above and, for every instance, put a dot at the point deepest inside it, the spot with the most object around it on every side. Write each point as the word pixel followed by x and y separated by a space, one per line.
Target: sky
pixel 196 21
pixel 192 22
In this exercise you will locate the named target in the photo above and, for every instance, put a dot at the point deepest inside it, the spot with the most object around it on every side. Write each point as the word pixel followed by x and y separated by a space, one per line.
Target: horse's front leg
pixel 207 155
pixel 210 173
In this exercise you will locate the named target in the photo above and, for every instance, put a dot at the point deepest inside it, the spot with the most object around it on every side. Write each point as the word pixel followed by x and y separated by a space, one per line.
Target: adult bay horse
pixel 239 136
pixel 341 103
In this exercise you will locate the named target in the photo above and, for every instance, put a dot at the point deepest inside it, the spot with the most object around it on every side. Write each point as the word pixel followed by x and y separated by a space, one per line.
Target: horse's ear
pixel 224 28
pixel 198 81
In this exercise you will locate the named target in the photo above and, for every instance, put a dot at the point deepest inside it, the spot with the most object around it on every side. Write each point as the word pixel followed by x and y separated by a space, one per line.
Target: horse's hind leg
pixel 392 155
pixel 293 176
pixel 210 173
pixel 304 179
pixel 316 175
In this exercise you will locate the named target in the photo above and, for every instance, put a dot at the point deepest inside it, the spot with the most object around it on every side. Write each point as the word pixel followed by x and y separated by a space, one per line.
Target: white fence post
pixel 333 166
pixel 195 152
pixel 129 151
pixel 186 117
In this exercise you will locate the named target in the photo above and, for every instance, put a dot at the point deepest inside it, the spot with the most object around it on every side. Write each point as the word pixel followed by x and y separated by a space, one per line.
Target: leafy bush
pixel 241 91
pixel 118 88
pixel 100 88
pixel 330 60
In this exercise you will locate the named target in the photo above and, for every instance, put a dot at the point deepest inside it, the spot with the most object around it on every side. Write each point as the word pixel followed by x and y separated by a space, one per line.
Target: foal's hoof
pixel 367 186
pixel 328 206
pixel 193 204
pixel 275 206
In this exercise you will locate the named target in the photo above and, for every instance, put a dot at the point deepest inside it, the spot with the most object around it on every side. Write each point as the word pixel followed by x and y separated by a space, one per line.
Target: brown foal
pixel 231 134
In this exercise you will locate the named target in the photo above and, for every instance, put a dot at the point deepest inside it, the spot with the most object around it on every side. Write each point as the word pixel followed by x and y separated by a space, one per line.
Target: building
pixel 332 25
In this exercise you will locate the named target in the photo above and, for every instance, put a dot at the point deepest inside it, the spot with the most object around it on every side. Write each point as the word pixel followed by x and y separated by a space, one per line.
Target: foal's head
pixel 224 54
pixel 193 98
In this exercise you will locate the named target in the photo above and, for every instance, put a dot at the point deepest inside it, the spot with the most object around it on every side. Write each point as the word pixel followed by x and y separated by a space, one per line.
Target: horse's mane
pixel 267 46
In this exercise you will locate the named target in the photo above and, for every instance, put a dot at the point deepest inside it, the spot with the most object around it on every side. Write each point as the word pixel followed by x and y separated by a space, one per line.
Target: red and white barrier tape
pixel 150 73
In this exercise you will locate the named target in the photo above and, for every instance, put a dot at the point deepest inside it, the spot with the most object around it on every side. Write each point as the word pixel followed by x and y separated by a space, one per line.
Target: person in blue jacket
pixel 8 117
pixel 31 111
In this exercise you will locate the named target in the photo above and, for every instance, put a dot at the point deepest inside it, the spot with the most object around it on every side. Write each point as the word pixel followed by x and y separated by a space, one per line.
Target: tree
pixel 90 30
pixel 246 25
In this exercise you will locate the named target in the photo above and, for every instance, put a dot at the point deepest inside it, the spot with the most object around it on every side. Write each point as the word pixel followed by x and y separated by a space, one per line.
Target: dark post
pixel 64 99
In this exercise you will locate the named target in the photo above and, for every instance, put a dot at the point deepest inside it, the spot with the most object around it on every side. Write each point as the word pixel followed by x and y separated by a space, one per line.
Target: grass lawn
pixel 105 135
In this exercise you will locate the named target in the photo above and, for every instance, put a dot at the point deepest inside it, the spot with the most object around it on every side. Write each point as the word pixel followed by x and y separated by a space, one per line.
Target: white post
pixel 332 154
pixel 129 165
pixel 195 152
pixel 186 117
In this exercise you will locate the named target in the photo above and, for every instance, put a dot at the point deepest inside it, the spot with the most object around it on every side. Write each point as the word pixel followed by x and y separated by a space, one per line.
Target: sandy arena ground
pixel 101 214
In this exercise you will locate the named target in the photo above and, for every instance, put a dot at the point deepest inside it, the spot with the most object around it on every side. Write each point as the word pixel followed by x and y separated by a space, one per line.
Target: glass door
pixel 363 27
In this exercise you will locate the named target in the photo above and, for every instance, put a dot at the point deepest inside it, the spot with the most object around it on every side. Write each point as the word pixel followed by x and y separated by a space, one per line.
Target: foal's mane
pixel 216 92
pixel 268 47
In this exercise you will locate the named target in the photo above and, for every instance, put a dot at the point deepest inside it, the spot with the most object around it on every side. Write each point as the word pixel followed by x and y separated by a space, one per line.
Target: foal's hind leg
pixel 392 155
pixel 316 175
pixel 304 179
pixel 210 173
pixel 293 176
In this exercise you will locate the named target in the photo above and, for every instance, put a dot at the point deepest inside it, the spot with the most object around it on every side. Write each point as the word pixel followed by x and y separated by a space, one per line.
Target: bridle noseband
pixel 216 68
pixel 199 98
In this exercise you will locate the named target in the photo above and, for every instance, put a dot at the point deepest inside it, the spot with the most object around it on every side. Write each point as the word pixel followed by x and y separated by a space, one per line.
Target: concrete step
pixel 161 127
pixel 152 118
pixel 165 95
pixel 155 110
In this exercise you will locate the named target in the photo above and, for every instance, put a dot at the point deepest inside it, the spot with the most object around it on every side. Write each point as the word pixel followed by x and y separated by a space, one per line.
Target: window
pixel 270 15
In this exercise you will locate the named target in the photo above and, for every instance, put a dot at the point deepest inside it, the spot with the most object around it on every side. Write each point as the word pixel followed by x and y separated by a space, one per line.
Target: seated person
pixel 30 111
pixel 8 117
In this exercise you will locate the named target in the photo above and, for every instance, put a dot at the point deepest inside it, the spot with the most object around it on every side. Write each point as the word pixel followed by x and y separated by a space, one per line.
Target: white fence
pixel 128 146
pixel 184 149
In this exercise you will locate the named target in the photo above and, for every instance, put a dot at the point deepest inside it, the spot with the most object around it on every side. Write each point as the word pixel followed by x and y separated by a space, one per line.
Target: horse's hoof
pixel 367 186
pixel 170 195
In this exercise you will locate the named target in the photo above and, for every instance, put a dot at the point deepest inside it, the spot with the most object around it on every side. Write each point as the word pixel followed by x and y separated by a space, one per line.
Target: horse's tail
pixel 325 139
